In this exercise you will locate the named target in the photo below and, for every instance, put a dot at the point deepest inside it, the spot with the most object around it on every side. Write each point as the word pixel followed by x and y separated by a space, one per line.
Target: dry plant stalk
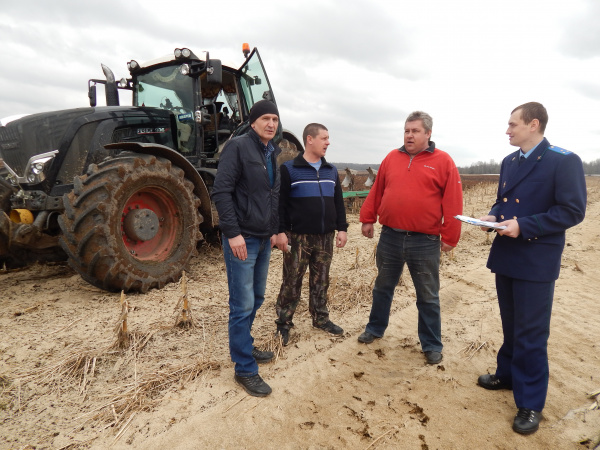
pixel 595 395
pixel 144 393
pixel 472 348
pixel 31 308
pixel 382 436
pixel 123 340
pixel 4 381
pixel 185 319
pixel 488 238
pixel 350 293
pixel 356 264
pixel 78 364
pixel 275 344
pixel 452 380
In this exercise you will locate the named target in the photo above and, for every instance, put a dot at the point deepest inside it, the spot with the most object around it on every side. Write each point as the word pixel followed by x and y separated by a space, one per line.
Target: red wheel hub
pixel 150 224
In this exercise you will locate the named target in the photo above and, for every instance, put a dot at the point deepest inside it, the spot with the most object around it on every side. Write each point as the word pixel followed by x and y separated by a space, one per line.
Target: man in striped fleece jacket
pixel 311 208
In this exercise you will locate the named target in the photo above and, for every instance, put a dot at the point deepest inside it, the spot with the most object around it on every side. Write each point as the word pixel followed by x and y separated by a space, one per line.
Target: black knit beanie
pixel 261 108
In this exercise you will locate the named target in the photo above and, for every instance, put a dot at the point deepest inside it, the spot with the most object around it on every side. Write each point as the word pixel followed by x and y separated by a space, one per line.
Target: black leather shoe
pixel 262 357
pixel 285 335
pixel 254 385
pixel 433 357
pixel 330 327
pixel 492 382
pixel 527 421
pixel 367 338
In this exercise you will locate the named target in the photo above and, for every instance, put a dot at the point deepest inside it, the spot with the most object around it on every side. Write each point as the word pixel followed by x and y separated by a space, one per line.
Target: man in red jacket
pixel 416 195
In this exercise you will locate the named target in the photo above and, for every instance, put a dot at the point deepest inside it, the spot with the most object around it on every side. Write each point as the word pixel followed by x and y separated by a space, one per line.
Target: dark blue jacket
pixel 547 195
pixel 310 202
pixel 242 192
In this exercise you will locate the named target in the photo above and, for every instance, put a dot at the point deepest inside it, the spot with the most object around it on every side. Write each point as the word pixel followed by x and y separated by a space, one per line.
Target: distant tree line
pixel 592 167
pixel 481 167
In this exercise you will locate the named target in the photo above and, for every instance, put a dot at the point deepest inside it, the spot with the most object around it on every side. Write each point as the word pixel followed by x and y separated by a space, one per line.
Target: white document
pixel 479 223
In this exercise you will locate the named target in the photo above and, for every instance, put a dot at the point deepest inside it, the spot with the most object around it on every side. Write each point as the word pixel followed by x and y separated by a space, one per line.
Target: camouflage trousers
pixel 307 250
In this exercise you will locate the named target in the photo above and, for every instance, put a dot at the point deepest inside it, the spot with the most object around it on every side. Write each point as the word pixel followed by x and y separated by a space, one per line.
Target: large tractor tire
pixel 131 223
pixel 290 147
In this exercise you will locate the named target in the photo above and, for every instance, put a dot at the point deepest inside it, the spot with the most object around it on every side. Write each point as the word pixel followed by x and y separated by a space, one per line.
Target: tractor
pixel 123 192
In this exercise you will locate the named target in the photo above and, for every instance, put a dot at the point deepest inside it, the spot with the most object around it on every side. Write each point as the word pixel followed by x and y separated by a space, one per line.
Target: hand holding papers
pixel 479 223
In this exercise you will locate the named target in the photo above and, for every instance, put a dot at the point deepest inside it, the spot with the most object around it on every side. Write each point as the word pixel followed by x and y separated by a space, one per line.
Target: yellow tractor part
pixel 21 216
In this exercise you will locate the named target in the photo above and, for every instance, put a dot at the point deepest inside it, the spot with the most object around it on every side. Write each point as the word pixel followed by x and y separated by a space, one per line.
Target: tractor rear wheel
pixel 132 223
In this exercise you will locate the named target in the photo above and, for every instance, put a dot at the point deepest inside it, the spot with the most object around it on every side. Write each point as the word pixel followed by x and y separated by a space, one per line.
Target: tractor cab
pixel 210 102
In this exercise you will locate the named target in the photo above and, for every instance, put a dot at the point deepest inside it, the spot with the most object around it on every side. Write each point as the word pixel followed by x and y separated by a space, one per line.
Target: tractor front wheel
pixel 132 223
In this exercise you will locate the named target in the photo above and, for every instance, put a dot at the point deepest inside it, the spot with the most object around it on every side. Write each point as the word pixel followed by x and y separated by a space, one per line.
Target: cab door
pixel 254 83
pixel 255 86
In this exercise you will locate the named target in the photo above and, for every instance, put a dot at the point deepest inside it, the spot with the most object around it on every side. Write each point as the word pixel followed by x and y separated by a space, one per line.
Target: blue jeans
pixel 247 281
pixel 421 253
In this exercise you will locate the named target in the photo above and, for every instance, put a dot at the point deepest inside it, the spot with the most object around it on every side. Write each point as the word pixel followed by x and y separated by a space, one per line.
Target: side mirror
pixel 214 72
pixel 92 95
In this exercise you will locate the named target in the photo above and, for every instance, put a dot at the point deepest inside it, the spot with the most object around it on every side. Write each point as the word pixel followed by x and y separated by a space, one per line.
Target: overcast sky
pixel 359 67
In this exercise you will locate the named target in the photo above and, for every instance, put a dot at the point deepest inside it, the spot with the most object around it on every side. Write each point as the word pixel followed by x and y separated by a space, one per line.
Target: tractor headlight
pixel 184 69
pixel 36 168
pixel 133 65
pixel 182 53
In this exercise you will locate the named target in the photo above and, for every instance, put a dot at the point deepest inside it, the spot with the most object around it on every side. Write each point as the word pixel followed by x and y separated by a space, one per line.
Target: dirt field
pixel 65 384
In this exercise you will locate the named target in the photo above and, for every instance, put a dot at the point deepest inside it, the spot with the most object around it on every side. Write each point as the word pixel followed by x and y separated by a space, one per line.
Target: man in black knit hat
pixel 246 193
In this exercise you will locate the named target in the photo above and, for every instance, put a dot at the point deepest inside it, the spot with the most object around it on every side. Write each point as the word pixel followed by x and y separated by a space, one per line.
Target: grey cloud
pixel 78 14
pixel 360 33
pixel 588 89
pixel 581 37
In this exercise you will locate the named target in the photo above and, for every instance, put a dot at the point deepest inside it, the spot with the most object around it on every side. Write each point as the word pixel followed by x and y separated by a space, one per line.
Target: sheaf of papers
pixel 479 223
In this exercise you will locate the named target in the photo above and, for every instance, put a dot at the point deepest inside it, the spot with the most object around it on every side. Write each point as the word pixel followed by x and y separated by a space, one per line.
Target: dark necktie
pixel 521 159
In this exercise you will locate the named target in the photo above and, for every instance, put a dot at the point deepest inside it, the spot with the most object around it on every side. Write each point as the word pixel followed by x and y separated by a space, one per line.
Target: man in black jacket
pixel 245 192
pixel 311 208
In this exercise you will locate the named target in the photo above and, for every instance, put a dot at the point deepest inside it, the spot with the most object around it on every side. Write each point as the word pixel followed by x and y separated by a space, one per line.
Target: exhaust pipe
pixel 112 93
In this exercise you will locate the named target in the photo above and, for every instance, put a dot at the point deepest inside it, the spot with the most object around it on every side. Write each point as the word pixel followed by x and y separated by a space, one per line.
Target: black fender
pixel 179 160
pixel 207 172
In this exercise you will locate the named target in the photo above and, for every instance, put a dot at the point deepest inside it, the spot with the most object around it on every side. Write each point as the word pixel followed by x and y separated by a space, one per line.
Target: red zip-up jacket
pixel 421 194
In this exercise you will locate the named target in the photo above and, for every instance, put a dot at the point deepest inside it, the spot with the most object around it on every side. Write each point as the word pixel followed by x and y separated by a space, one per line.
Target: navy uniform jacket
pixel 547 195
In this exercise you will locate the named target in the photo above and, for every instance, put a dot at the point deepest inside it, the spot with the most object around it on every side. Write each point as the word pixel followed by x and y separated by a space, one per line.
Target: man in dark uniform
pixel 541 193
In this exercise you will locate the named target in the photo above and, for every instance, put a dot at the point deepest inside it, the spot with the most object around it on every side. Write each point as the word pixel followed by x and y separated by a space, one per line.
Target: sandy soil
pixel 65 384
